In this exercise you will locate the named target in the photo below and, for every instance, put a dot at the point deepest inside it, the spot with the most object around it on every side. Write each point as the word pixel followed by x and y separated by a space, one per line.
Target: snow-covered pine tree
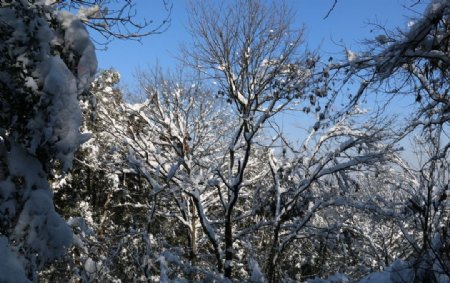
pixel 47 60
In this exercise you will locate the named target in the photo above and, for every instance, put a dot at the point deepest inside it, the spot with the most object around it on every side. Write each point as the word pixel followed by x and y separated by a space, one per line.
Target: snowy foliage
pixel 414 62
pixel 47 60
pixel 193 179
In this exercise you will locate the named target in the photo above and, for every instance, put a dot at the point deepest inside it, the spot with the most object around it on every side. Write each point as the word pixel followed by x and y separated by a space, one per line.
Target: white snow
pixel 351 56
pixel 84 13
pixel 52 126
pixel 256 275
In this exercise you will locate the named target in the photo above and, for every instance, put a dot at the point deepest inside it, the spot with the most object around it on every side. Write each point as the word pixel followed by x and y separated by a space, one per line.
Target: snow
pixel 55 128
pixel 20 163
pixel 351 56
pixel 256 274
pixel 42 228
pixel 58 68
pixel 173 169
pixel 85 13
pixel 60 84
pixel 38 225
pixel 31 83
pixel 11 270
pixel 163 277
pixel 377 277
pixel 436 6
pixel 91 267
pixel 77 39
pixel 401 272
pixel 87 214
pixel 335 278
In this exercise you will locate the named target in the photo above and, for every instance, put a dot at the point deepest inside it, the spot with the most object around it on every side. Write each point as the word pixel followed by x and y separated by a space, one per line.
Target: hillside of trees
pixel 193 178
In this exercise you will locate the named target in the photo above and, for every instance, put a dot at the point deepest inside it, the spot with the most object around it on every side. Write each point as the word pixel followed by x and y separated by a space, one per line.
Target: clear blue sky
pixel 347 23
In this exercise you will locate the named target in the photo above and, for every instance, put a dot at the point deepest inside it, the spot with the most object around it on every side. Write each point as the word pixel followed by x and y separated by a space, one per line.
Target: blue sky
pixel 347 24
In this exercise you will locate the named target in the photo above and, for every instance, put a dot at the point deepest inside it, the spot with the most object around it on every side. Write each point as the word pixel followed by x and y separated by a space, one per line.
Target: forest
pixel 193 178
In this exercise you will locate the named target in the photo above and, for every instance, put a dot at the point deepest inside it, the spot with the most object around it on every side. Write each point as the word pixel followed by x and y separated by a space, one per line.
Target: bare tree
pixel 116 18
pixel 215 182
pixel 170 140
pixel 251 51
pixel 414 64
pixel 253 54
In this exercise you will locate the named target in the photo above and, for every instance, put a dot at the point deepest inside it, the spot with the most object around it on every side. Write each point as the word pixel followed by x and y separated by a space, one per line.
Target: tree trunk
pixel 273 257
pixel 193 252
pixel 212 240
pixel 228 246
